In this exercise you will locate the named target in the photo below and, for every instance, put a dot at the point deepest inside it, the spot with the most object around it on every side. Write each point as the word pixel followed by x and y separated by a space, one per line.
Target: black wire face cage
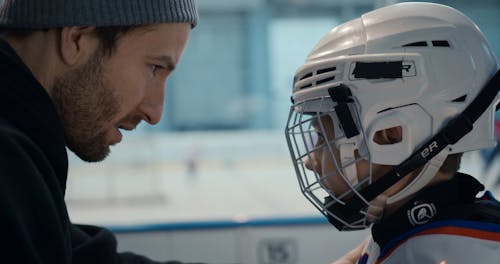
pixel 328 191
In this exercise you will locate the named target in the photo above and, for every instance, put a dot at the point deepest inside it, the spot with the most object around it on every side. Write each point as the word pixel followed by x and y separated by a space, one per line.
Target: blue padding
pixel 224 224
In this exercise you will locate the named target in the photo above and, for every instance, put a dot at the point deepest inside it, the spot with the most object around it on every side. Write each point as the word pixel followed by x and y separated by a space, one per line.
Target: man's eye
pixel 155 68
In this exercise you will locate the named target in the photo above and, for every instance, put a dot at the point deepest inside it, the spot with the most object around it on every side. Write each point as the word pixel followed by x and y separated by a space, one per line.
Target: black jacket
pixel 33 171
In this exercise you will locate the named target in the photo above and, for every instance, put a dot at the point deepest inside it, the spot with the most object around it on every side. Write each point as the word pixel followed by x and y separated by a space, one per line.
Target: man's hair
pixel 107 35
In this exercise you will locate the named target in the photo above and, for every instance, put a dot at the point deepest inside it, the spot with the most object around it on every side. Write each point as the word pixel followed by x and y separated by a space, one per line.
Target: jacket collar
pixel 26 105
pixel 438 202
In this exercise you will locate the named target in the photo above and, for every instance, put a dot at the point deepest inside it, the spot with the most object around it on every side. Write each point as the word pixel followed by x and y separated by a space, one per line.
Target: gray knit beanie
pixel 35 14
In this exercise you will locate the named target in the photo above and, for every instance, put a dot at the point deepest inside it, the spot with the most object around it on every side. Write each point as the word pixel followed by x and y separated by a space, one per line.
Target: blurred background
pixel 213 181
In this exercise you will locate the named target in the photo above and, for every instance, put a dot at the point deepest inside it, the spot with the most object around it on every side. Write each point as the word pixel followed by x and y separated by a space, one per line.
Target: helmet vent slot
pixel 317 77
pixel 326 70
pixel 435 43
pixel 460 99
pixel 326 80
pixel 440 43
pixel 306 76
pixel 416 44
pixel 306 86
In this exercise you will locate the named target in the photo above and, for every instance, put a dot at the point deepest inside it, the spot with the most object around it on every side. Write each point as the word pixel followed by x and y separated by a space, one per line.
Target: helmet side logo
pixel 429 149
pixel 408 69
pixel 383 70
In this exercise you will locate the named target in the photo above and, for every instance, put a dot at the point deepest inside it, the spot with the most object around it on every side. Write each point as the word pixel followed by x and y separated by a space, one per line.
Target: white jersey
pixel 441 242
pixel 444 224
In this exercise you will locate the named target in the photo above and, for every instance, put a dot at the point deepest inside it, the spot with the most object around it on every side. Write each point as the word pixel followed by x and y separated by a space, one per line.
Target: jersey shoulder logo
pixel 421 213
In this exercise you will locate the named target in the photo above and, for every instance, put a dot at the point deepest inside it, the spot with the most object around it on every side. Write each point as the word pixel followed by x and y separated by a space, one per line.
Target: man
pixel 383 109
pixel 74 73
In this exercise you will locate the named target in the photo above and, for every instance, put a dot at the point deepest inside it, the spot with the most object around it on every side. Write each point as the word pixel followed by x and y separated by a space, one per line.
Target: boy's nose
pixel 312 164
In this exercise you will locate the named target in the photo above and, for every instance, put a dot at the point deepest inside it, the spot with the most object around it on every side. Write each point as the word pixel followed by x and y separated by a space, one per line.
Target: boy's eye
pixel 320 139
pixel 317 128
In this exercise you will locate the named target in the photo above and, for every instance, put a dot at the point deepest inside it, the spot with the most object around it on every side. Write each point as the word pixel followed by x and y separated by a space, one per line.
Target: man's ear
pixel 389 136
pixel 76 44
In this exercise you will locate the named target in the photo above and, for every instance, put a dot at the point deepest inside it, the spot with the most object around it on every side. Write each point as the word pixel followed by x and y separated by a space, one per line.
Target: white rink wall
pixel 278 241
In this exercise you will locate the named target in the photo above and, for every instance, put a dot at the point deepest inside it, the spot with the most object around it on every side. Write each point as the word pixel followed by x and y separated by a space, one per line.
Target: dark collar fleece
pixel 25 104
pixel 446 200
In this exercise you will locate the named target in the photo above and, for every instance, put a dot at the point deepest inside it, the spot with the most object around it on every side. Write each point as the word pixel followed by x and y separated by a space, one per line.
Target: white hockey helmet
pixel 413 65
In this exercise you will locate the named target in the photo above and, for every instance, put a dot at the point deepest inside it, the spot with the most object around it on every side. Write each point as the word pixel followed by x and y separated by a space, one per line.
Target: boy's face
pixel 322 160
pixel 109 93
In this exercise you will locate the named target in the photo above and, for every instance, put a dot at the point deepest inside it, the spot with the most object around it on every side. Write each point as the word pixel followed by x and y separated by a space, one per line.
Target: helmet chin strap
pixel 347 160
pixel 375 209
pixel 423 178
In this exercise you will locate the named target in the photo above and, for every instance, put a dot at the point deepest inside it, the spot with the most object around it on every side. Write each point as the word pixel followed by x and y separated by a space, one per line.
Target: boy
pixel 383 109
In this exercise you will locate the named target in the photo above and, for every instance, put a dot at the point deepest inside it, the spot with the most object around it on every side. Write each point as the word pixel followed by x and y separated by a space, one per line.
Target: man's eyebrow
pixel 166 61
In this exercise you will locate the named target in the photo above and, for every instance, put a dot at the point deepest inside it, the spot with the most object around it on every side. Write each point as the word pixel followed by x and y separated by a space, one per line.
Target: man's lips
pixel 117 136
pixel 117 133
pixel 127 127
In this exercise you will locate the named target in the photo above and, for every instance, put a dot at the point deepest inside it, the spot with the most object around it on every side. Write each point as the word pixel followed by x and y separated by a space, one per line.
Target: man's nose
pixel 152 106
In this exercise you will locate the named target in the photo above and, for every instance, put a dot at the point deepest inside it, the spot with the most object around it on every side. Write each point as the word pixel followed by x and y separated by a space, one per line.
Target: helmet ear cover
pixel 416 125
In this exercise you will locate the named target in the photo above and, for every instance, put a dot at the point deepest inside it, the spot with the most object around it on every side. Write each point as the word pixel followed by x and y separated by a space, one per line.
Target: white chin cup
pixel 348 162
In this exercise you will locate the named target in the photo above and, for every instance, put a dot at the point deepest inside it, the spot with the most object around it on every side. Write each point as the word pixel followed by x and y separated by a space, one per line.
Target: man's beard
pixel 86 108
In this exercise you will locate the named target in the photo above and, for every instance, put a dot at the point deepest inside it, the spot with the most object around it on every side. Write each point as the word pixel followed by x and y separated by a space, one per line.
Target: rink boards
pixel 259 241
